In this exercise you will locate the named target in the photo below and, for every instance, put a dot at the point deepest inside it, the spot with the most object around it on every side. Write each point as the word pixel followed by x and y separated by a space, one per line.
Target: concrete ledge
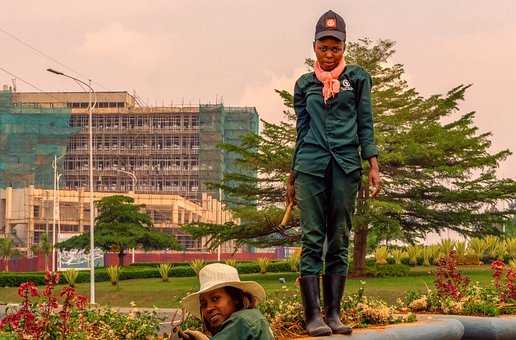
pixel 485 328
pixel 438 329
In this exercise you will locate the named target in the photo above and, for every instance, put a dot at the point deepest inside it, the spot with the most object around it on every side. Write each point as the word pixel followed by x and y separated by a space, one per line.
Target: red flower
pixel 28 288
pixel 52 278
pixel 497 265
pixel 81 301
pixel 68 293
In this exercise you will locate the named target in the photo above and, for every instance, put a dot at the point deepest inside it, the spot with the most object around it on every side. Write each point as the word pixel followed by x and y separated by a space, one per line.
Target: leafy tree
pixel 7 250
pixel 119 226
pixel 43 247
pixel 436 167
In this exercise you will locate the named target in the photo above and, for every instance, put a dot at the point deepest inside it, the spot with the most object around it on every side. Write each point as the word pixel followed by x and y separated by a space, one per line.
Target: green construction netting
pixel 219 124
pixel 30 137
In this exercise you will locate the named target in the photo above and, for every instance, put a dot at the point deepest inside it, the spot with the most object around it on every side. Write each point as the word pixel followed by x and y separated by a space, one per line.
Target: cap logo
pixel 331 23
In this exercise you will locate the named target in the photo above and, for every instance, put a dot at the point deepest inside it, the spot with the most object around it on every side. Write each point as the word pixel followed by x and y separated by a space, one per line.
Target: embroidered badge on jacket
pixel 346 85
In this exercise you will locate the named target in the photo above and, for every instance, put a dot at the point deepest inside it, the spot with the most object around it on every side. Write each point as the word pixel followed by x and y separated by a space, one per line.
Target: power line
pixel 26 44
pixel 21 79
pixel 27 82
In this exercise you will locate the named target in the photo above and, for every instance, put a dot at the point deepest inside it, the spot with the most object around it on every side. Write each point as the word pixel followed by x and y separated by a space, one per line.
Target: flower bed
pixel 64 315
pixel 455 294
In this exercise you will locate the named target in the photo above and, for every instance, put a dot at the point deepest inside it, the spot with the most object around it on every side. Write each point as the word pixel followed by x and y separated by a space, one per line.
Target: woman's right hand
pixel 291 190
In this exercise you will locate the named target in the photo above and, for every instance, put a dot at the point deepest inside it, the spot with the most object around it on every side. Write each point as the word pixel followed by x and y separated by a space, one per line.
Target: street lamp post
pixel 91 106
pixel 133 177
pixel 54 211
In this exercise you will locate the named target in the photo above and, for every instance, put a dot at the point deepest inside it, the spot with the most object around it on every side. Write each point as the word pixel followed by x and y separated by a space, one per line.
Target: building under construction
pixel 166 150
pixel 146 150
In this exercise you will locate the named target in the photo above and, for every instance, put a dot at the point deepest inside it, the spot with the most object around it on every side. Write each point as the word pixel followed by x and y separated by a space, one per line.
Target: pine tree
pixel 436 167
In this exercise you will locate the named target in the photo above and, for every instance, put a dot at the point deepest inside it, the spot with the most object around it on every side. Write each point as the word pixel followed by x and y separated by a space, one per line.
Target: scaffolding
pixel 169 150
pixel 30 137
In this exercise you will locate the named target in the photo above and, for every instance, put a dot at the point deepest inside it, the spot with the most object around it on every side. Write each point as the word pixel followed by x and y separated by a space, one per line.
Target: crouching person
pixel 227 306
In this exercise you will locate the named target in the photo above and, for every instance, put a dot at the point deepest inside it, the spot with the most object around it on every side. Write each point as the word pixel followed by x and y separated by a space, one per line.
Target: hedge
pixel 388 270
pixel 131 272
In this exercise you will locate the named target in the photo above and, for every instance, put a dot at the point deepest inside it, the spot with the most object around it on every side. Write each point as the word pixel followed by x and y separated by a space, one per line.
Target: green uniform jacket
pixel 246 324
pixel 338 128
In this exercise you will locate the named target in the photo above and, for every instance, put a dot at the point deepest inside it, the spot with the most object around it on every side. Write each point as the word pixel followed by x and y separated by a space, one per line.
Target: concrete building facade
pixel 169 150
pixel 27 213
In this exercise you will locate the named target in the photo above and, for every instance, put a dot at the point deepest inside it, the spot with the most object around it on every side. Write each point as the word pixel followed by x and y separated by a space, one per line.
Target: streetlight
pixel 54 215
pixel 133 177
pixel 91 106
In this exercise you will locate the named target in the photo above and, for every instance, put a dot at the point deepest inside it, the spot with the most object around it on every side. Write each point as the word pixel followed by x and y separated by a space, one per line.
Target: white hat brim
pixel 192 305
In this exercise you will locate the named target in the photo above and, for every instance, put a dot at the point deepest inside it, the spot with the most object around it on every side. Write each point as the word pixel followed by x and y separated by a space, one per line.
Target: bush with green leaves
pixel 294 261
pixel 263 263
pixel 477 248
pixel 426 253
pixel 70 276
pixel 114 274
pixel 397 255
pixel 388 270
pixel 231 262
pixel 381 254
pixel 164 270
pixel 197 265
pixel 510 246
pixel 413 252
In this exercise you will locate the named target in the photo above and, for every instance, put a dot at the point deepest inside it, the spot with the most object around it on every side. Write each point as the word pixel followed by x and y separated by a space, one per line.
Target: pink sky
pixel 178 51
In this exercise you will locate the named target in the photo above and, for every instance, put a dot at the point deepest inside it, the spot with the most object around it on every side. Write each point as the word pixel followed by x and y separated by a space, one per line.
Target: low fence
pixel 37 263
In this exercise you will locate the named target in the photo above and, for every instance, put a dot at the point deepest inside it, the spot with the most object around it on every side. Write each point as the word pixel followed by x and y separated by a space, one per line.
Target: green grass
pixel 154 292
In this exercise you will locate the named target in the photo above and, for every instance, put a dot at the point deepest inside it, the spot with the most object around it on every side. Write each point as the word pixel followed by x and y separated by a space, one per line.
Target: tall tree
pixel 122 225
pixel 44 247
pixel 436 167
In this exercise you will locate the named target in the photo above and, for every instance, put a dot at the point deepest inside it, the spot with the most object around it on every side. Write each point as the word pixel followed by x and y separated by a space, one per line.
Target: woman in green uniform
pixel 226 306
pixel 334 133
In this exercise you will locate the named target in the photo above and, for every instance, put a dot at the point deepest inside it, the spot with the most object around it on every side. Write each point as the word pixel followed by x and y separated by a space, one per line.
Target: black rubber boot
pixel 333 288
pixel 311 303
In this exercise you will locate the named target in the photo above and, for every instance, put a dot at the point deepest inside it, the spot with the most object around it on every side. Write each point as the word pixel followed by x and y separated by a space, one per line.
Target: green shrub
pixel 164 270
pixel 263 263
pixel 114 274
pixel 381 254
pixel 426 252
pixel 231 262
pixel 387 270
pixel 397 255
pixel 413 252
pixel 70 276
pixel 248 268
pixel 476 247
pixel 294 261
pixel 445 247
pixel 510 246
pixel 197 265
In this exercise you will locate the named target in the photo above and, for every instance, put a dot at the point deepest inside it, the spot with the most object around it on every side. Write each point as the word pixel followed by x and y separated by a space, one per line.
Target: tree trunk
pixel 6 263
pixel 121 256
pixel 360 250
pixel 46 262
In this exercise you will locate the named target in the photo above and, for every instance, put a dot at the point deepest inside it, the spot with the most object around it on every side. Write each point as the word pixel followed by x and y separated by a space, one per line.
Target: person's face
pixel 328 52
pixel 216 307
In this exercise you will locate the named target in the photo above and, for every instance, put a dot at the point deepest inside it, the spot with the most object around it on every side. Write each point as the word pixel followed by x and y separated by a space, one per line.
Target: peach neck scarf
pixel 330 80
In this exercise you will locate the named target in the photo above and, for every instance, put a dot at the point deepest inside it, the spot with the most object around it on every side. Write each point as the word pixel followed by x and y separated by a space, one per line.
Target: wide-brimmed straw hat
pixel 215 276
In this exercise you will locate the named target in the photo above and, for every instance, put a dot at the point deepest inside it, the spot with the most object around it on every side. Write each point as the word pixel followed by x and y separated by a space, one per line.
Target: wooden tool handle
pixel 287 214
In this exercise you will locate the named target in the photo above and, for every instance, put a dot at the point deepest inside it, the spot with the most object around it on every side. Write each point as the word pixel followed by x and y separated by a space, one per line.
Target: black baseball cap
pixel 330 24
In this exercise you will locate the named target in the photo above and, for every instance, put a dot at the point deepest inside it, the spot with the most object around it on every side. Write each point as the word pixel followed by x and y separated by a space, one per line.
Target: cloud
pixel 125 47
pixel 268 103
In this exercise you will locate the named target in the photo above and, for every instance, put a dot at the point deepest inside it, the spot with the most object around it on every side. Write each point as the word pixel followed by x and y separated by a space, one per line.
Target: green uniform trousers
pixel 327 205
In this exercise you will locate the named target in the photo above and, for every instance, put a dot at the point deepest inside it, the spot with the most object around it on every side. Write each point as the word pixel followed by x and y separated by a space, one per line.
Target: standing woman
pixel 334 133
